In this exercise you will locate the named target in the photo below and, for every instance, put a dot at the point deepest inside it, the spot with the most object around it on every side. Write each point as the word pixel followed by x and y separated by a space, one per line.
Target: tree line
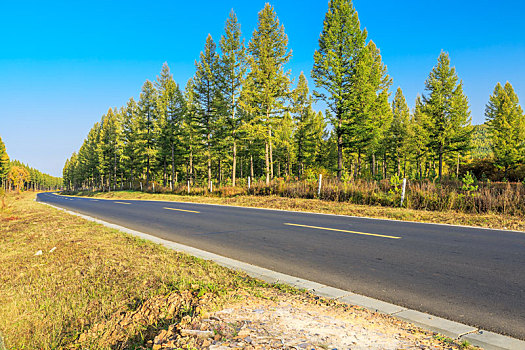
pixel 242 114
pixel 15 175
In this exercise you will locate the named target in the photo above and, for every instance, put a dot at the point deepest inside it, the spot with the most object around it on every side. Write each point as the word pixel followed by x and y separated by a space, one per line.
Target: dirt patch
pixel 296 322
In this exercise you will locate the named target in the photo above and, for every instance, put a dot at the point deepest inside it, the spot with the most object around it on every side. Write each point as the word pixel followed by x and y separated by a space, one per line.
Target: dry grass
pixel 96 288
pixel 491 220
pixel 93 275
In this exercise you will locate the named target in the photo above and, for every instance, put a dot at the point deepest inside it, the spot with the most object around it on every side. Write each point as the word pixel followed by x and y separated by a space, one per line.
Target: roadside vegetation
pixel 240 198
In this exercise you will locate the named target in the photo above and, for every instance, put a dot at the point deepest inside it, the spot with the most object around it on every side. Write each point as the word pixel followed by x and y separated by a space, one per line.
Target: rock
pixel 38 253
pixel 196 333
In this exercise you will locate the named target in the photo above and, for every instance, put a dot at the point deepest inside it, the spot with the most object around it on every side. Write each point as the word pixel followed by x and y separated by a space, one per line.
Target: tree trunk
pixel 266 157
pixel 172 166
pixel 373 164
pixel 339 148
pixel 251 165
pixel 209 163
pixel 440 163
pixel 271 151
pixel 234 165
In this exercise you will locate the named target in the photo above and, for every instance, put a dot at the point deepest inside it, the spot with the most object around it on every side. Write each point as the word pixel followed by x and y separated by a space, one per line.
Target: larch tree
pixel 398 140
pixel 148 125
pixel 446 105
pixel 418 136
pixel 207 97
pixel 233 67
pixel 340 45
pixel 131 141
pixel 108 150
pixel 267 85
pixel 506 124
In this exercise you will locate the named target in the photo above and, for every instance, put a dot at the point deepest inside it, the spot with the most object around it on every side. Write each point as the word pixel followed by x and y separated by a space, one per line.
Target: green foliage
pixel 4 162
pixel 468 183
pixel 449 122
pixel 506 124
pixel 238 117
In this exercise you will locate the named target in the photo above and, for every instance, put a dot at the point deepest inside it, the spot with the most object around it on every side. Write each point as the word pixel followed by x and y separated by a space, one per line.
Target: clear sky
pixel 63 64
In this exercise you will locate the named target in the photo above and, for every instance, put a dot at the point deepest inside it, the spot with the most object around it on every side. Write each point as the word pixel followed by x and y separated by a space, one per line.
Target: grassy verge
pixel 491 220
pixel 69 283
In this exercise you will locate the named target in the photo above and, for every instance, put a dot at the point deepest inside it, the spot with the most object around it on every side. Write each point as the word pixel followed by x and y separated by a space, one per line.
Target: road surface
pixel 469 275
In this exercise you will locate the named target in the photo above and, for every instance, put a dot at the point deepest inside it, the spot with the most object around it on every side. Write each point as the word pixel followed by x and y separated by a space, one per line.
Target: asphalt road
pixel 473 276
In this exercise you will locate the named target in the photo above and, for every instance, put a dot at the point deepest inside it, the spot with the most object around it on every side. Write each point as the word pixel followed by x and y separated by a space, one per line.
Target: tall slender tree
pixel 399 130
pixel 506 124
pixel 335 62
pixel 267 86
pixel 447 108
pixel 233 66
pixel 4 163
pixel 208 98
pixel 148 125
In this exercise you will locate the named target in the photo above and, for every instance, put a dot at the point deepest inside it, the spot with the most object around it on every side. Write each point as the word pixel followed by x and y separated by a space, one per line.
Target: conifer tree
pixel 302 112
pixel 447 108
pixel 340 45
pixel 191 129
pixel 207 97
pixel 506 124
pixel 418 135
pixel 131 140
pixel 4 163
pixel 233 66
pixel 267 85
pixel 399 130
pixel 171 112
pixel 107 149
pixel 148 125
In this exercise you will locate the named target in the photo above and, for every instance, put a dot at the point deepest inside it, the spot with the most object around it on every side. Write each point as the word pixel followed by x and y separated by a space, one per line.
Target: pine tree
pixel 335 62
pixel 148 125
pixel 233 66
pixel 131 140
pixel 506 124
pixel 418 136
pixel 302 112
pixel 370 112
pixel 108 150
pixel 399 130
pixel 448 111
pixel 4 164
pixel 207 97
pixel 267 85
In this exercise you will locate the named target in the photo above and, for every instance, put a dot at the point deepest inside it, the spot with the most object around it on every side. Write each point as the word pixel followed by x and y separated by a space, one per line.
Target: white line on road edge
pixel 455 330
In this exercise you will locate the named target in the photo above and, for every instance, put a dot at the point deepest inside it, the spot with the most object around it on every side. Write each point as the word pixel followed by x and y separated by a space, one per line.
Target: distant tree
pixel 108 149
pixel 506 124
pixel 335 62
pixel 18 176
pixel 447 108
pixel 131 140
pixel 419 136
pixel 4 163
pixel 267 86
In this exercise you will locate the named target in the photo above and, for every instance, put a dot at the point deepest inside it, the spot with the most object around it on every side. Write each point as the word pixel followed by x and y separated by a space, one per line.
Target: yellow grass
pixel 491 220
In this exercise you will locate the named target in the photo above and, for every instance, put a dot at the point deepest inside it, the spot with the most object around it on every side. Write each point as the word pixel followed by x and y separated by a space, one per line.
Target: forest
pixel 242 118
pixel 15 175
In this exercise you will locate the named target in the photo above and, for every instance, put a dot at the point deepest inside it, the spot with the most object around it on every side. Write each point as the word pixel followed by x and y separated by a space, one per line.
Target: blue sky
pixel 63 64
